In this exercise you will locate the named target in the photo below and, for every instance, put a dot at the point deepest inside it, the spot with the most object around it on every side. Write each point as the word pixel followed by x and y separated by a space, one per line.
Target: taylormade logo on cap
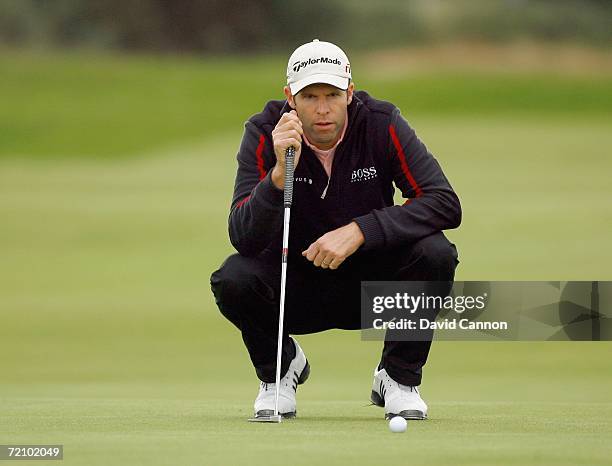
pixel 301 64
pixel 318 62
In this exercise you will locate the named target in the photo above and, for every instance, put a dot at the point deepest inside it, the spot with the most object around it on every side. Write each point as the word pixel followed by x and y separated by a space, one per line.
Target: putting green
pixel 516 406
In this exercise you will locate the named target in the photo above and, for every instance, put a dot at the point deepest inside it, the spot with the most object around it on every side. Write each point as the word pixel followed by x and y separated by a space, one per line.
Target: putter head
pixel 274 418
pixel 267 415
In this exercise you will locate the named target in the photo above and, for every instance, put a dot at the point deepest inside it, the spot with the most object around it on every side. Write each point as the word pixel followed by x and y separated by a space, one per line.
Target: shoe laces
pixel 290 380
pixel 387 382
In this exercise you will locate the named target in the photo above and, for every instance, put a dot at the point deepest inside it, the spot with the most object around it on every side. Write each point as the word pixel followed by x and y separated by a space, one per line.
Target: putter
pixel 289 168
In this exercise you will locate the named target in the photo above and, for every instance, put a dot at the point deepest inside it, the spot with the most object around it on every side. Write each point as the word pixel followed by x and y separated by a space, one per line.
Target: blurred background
pixel 213 26
pixel 119 125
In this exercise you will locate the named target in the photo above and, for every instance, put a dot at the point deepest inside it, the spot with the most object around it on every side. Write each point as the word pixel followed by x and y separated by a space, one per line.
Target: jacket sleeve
pixel 257 205
pixel 431 204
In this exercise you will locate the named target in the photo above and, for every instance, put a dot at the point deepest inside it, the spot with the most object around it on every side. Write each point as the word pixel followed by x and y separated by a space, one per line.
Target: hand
pixel 288 132
pixel 331 249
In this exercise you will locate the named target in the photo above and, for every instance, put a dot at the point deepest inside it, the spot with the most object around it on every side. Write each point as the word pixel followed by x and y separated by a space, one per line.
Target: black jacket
pixel 378 149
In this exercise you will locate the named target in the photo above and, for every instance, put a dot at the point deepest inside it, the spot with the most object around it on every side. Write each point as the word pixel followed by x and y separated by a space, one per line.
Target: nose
pixel 322 106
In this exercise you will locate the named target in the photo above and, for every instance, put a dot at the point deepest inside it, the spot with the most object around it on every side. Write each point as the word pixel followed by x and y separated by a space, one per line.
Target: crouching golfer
pixel 350 151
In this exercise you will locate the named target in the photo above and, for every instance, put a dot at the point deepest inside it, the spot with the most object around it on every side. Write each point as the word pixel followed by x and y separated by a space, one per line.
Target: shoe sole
pixel 303 377
pixel 408 414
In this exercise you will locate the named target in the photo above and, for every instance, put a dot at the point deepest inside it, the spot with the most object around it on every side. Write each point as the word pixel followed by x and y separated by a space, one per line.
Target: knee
pixel 227 282
pixel 235 283
pixel 437 256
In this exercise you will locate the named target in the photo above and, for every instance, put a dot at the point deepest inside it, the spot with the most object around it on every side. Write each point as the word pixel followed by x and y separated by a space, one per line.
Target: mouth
pixel 324 125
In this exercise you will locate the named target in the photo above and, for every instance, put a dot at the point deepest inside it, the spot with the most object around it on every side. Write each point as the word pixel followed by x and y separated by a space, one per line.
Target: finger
pixel 285 143
pixel 327 262
pixel 284 129
pixel 287 128
pixel 335 263
pixel 318 260
pixel 290 116
pixel 284 132
pixel 312 252
pixel 290 133
pixel 296 126
pixel 294 115
pixel 285 125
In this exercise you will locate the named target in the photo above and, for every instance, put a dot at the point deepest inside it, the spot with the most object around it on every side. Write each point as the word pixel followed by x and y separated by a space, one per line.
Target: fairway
pixel 112 345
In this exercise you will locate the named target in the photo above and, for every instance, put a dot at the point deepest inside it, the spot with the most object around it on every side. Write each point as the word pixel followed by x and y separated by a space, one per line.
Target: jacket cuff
pixel 373 233
pixel 268 193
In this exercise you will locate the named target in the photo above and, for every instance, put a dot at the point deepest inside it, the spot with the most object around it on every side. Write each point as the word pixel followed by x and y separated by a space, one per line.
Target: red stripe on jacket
pixel 258 154
pixel 242 201
pixel 404 164
pixel 260 164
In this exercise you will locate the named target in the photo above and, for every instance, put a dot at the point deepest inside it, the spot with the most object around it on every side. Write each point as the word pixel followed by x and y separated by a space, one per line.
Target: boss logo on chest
pixel 303 179
pixel 363 174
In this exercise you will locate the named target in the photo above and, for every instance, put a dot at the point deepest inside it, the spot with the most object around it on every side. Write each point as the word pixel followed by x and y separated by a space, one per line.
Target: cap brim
pixel 336 81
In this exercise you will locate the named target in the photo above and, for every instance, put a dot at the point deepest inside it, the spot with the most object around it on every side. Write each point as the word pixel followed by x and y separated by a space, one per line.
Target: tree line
pixel 235 26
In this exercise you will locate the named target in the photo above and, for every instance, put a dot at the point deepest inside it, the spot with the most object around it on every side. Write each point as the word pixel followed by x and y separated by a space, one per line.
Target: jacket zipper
pixel 325 190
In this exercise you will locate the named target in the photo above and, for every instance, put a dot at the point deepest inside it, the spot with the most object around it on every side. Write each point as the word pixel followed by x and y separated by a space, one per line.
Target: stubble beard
pixel 317 138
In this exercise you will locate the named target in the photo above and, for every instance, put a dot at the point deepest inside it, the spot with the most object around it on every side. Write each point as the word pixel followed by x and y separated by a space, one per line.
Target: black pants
pixel 247 291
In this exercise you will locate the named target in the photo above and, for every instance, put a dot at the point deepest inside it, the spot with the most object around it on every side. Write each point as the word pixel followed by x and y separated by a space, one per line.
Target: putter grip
pixel 289 169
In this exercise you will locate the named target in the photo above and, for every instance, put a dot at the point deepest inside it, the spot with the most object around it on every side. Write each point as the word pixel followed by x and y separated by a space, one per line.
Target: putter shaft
pixel 288 198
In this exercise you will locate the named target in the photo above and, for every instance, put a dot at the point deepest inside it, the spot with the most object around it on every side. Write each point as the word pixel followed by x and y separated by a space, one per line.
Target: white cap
pixel 318 62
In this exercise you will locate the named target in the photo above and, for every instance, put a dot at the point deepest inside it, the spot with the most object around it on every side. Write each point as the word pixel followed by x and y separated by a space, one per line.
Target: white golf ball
pixel 398 424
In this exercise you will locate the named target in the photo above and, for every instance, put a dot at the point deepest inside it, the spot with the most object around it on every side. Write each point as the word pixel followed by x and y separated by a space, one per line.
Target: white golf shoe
pixel 397 399
pixel 298 372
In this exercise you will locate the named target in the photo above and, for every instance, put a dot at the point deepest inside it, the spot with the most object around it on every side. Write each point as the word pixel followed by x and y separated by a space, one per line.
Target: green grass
pixel 111 343
pixel 109 106
pixel 194 431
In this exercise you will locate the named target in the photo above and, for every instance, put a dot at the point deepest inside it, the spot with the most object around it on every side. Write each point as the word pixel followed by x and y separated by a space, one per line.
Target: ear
pixel 349 93
pixel 290 98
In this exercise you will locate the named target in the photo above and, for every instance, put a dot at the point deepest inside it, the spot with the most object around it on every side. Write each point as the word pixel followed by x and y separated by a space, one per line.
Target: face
pixel 323 111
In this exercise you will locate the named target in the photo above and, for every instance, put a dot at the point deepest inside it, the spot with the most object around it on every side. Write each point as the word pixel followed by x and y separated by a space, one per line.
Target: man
pixel 349 151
